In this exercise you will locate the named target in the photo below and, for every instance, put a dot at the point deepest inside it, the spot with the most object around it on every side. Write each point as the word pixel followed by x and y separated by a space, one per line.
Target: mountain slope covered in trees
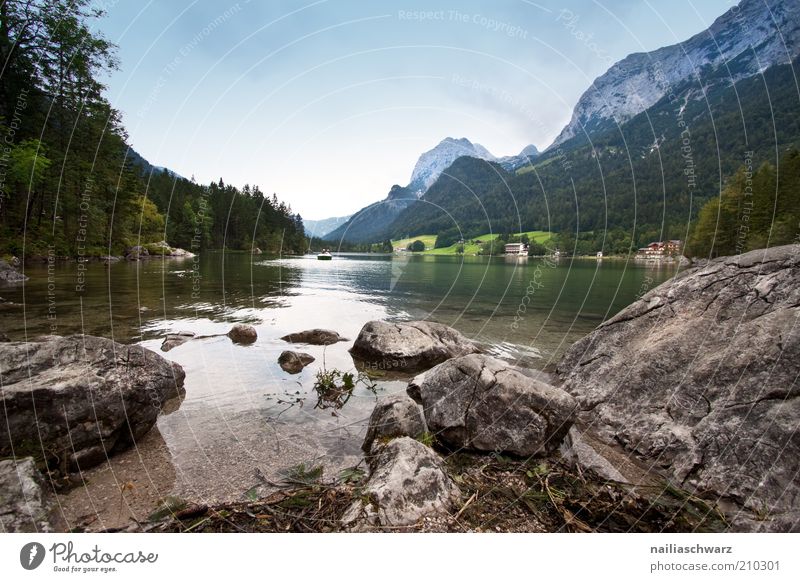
pixel 69 184
pixel 641 181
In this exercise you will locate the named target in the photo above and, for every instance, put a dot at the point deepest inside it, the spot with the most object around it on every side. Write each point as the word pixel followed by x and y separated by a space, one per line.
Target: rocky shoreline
pixel 9 269
pixel 666 418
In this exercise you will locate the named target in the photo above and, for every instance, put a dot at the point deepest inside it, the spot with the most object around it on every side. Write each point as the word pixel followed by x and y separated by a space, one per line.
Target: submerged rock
pixel 173 340
pixel 294 362
pixel 479 402
pixel 407 482
pixel 25 506
pixel 410 346
pixel 9 273
pixel 394 415
pixel 317 337
pixel 699 378
pixel 72 401
pixel 241 333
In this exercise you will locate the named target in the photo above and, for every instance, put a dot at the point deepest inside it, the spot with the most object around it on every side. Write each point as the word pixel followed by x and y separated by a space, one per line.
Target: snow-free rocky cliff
pixel 746 40
pixel 372 223
pixel 432 163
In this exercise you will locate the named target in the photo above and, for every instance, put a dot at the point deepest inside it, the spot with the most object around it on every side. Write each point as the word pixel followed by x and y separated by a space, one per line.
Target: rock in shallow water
pixel 699 378
pixel 317 337
pixel 394 415
pixel 71 401
pixel 25 505
pixel 407 482
pixel 479 402
pixel 173 340
pixel 241 333
pixel 294 362
pixel 9 274
pixel 409 346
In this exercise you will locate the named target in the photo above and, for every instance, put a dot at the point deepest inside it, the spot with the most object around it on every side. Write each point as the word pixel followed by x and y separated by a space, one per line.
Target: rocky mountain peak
pixel 743 42
pixel 432 163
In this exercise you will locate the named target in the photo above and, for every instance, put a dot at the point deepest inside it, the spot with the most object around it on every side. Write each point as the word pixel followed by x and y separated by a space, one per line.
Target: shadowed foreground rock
pixel 24 505
pixel 70 401
pixel 409 346
pixel 699 378
pixel 407 482
pixel 394 415
pixel 478 402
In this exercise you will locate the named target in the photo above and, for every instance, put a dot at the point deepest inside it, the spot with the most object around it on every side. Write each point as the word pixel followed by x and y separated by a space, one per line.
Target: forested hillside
pixel 68 181
pixel 758 208
pixel 642 181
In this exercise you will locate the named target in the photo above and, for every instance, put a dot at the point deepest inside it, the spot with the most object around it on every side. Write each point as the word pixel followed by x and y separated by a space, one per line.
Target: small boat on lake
pixel 325 255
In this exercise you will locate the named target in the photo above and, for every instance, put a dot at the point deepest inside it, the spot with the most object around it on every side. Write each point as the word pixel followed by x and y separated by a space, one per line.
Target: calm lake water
pixel 243 419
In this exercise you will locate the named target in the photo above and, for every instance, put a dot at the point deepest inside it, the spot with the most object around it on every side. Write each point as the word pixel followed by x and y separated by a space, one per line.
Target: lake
pixel 244 420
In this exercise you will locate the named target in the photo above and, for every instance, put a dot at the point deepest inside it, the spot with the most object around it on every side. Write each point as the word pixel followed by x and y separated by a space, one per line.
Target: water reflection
pixel 243 417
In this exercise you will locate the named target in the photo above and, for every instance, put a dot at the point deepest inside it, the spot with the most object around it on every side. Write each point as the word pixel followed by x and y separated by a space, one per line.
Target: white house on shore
pixel 517 249
pixel 660 250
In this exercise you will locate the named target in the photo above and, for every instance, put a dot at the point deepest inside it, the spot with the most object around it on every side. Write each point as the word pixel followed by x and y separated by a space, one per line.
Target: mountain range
pixel 651 140
pixel 372 223
pixel 745 41
pixel 321 228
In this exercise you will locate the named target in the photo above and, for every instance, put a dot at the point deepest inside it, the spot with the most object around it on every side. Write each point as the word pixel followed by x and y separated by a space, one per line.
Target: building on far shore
pixel 660 250
pixel 517 249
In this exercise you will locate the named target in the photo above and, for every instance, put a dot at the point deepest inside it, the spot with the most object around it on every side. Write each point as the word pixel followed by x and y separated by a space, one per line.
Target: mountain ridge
pixel 371 223
pixel 757 34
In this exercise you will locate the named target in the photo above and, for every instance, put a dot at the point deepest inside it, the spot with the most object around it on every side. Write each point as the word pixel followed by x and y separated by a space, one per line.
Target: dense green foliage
pixel 69 184
pixel 416 247
pixel 469 199
pixel 316 244
pixel 222 216
pixel 755 210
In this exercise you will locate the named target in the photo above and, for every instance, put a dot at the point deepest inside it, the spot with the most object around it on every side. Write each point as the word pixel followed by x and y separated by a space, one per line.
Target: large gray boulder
pixel 25 506
pixel 394 415
pixel 699 378
pixel 409 346
pixel 9 274
pixel 71 401
pixel 407 482
pixel 479 402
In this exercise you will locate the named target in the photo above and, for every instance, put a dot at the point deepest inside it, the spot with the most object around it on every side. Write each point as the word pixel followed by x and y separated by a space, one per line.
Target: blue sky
pixel 328 103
